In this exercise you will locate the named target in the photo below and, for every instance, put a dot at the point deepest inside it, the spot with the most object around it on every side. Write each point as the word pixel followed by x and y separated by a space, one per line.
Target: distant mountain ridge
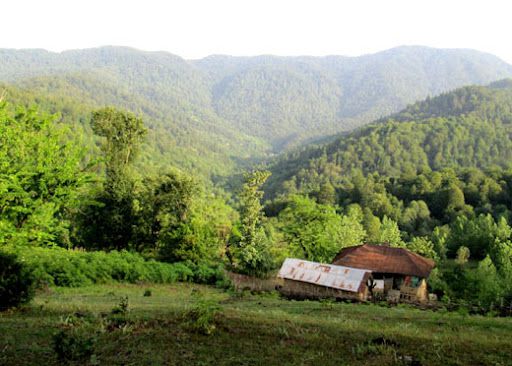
pixel 331 94
pixel 229 109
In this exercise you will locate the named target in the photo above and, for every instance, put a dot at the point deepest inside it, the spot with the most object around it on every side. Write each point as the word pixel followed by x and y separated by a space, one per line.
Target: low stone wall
pixel 243 282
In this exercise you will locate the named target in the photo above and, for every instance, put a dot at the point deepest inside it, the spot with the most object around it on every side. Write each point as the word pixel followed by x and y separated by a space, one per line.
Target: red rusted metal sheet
pixel 328 275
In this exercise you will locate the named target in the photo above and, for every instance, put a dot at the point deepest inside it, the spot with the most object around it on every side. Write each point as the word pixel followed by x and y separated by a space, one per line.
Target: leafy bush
pixel 206 273
pixel 73 345
pixel 76 339
pixel 148 293
pixel 122 308
pixel 16 282
pixel 201 318
pixel 40 177
pixel 74 268
pixel 117 319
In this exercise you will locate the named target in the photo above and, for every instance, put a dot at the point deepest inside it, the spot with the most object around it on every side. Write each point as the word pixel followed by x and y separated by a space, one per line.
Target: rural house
pixel 396 272
pixel 305 279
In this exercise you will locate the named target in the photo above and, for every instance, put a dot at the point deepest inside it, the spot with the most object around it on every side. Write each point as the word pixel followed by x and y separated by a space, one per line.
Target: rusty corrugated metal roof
pixel 328 275
pixel 385 259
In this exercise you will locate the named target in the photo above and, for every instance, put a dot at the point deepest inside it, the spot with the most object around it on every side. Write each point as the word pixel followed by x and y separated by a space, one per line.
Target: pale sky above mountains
pixel 197 28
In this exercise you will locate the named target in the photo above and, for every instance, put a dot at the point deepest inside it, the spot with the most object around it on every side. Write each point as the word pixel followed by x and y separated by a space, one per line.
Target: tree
pixel 123 132
pixel 501 255
pixel 439 237
pixel 327 194
pixel 484 283
pixel 316 232
pixel 390 233
pixel 41 177
pixel 462 255
pixel 178 220
pixel 372 226
pixel 250 203
pixel 422 246
pixel 209 224
pixel 415 218
pixel 109 223
pixel 478 234
pixel 351 229
pixel 251 251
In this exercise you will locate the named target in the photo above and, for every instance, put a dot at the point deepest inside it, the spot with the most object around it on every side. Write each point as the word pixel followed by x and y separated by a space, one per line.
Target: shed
pixel 392 268
pixel 305 279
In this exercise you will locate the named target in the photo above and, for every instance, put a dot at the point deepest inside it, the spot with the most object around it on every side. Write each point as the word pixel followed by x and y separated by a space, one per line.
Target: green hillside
pixel 291 99
pixel 215 113
pixel 469 127
pixel 191 138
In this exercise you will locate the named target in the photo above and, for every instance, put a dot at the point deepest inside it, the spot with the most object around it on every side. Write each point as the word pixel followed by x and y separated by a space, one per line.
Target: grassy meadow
pixel 244 329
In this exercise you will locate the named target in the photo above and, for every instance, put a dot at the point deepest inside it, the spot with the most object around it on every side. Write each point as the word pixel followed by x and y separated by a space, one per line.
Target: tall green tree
pixel 41 178
pixel 483 283
pixel 390 233
pixel 110 222
pixel 478 234
pixel 123 134
pixel 251 249
pixel 316 232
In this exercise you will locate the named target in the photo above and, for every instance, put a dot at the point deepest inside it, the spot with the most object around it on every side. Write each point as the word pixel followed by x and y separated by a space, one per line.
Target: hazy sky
pixel 196 28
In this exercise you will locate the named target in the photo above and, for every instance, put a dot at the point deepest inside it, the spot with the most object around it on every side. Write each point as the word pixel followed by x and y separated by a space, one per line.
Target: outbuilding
pixel 305 279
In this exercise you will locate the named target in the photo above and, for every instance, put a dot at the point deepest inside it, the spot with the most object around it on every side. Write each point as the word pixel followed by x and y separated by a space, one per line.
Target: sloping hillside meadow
pixel 244 329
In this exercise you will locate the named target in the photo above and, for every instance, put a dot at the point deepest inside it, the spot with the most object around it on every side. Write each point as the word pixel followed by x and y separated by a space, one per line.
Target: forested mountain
pixel 291 99
pixel 180 133
pixel 213 113
pixel 466 128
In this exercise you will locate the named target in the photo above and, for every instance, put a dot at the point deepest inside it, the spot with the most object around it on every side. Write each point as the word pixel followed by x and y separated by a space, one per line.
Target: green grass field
pixel 250 330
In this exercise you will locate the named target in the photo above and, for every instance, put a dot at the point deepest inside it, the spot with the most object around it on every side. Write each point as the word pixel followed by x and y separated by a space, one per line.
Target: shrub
pixel 16 282
pixel 201 318
pixel 206 273
pixel 118 317
pixel 73 345
pixel 74 268
pixel 122 308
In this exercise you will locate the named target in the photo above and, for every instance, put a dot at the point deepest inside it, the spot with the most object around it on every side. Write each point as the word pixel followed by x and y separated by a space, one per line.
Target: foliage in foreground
pixel 16 282
pixel 201 317
pixel 165 214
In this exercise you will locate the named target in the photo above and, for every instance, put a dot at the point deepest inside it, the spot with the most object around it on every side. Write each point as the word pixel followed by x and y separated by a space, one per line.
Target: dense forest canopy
pixel 470 127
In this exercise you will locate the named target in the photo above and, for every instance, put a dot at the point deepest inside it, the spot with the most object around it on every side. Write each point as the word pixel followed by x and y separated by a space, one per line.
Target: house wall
pixel 406 293
pixel 388 284
pixel 304 290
